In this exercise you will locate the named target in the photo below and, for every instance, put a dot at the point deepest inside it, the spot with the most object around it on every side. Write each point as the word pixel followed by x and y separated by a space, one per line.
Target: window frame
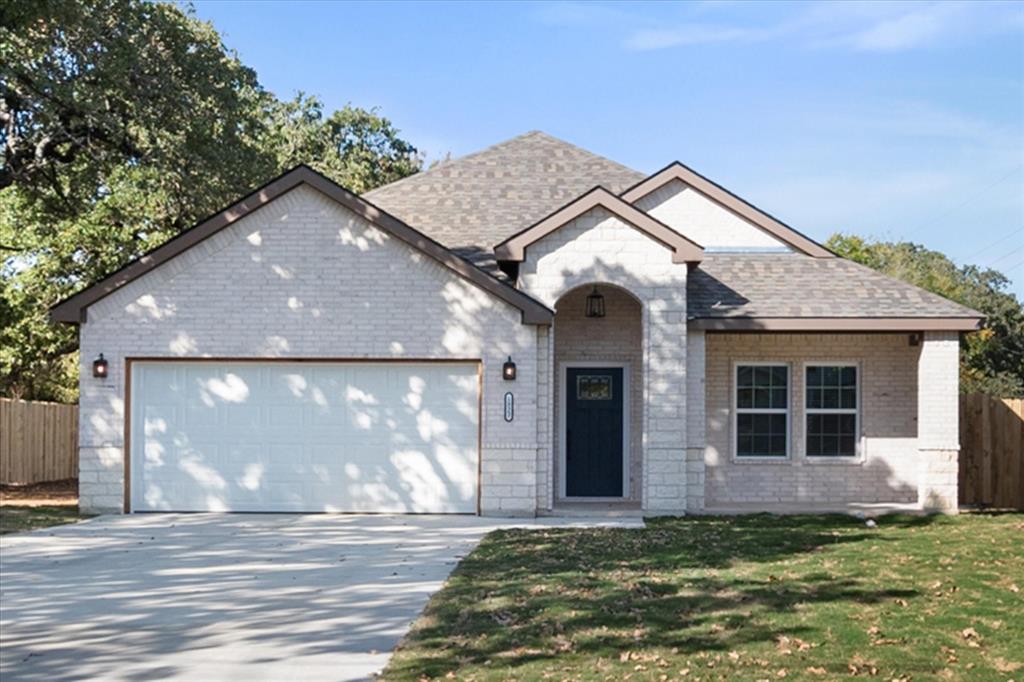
pixel 858 443
pixel 736 411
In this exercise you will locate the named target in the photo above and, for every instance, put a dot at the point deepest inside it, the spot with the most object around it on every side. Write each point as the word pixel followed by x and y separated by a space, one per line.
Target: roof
pixel 683 249
pixel 479 200
pixel 728 200
pixel 462 208
pixel 73 309
pixel 796 291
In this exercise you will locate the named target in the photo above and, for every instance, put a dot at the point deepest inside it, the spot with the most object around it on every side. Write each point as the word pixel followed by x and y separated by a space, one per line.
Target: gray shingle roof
pixel 471 203
pixel 796 285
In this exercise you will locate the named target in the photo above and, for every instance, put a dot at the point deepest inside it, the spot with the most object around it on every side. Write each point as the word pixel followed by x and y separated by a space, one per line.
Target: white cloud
pixel 923 25
pixel 866 26
pixel 690 34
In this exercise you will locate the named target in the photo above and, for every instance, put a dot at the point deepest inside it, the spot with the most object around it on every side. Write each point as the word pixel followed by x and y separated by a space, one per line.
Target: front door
pixel 593 432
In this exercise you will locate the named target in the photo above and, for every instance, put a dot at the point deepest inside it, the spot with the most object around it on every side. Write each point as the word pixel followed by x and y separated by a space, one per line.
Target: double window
pixel 831 410
pixel 762 410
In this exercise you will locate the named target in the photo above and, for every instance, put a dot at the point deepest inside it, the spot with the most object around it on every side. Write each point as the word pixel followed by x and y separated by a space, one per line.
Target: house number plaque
pixel 510 407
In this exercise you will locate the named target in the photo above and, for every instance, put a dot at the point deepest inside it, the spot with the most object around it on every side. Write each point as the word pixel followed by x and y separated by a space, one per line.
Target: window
pixel 593 387
pixel 762 410
pixel 832 416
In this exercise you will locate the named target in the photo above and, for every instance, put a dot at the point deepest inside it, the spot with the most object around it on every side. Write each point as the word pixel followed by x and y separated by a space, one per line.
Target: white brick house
pixel 674 350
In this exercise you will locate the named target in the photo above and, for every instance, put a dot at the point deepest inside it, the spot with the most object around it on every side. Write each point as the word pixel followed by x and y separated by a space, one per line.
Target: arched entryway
pixel 598 363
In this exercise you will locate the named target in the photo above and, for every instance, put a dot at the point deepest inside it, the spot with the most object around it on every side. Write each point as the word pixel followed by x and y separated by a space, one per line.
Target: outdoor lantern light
pixel 508 370
pixel 99 367
pixel 595 304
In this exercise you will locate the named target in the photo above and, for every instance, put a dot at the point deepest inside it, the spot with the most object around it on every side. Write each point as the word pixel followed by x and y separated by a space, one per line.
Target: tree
pixel 123 122
pixel 992 359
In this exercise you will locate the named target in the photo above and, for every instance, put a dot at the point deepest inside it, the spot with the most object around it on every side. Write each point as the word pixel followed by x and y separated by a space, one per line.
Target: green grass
pixel 18 518
pixel 743 598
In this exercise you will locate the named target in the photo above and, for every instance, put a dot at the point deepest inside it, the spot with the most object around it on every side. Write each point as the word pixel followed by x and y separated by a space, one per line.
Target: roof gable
pixel 683 250
pixel 728 200
pixel 73 309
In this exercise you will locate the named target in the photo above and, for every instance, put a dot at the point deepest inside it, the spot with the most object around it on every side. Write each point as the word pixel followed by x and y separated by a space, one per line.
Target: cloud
pixel 922 25
pixel 863 26
pixel 690 34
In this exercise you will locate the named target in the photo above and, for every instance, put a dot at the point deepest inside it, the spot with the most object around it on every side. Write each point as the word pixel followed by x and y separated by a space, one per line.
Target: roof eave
pixel 683 250
pixel 832 324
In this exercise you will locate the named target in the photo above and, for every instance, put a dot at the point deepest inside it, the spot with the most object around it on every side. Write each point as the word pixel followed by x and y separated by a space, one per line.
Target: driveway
pixel 223 597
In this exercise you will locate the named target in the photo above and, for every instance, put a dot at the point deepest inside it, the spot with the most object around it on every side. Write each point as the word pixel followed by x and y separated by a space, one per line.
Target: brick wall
pixel 304 277
pixel 702 220
pixel 599 248
pixel 888 469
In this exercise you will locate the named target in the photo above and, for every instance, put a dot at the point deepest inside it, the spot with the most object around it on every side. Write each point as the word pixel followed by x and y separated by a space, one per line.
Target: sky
pixel 886 120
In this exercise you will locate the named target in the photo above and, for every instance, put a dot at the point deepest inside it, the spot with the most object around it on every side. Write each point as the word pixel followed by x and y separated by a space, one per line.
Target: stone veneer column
pixel 665 346
pixel 938 431
pixel 696 440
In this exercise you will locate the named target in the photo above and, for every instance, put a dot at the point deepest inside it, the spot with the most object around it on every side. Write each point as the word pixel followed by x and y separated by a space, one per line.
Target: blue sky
pixel 892 120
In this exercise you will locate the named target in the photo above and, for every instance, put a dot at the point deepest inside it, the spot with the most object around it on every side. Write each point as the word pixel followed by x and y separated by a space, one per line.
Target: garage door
pixel 304 436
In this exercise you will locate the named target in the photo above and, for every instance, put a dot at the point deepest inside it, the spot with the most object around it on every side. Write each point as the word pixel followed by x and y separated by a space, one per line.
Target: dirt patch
pixel 51 493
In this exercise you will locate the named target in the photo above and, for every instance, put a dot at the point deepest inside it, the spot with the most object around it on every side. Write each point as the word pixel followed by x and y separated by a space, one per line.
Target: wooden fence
pixel 38 441
pixel 991 451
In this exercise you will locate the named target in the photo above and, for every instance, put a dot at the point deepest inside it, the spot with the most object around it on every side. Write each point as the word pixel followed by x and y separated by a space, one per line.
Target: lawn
pixel 38 505
pixel 14 518
pixel 742 598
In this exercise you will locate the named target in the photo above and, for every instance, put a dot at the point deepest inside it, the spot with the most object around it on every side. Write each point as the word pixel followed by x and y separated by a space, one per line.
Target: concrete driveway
pixel 223 597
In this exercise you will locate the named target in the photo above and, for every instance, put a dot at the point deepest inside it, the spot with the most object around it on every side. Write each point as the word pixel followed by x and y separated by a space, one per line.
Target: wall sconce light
pixel 100 367
pixel 914 340
pixel 508 370
pixel 595 304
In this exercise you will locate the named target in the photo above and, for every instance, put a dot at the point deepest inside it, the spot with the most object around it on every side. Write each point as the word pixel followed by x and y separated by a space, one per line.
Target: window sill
pixel 856 460
pixel 762 460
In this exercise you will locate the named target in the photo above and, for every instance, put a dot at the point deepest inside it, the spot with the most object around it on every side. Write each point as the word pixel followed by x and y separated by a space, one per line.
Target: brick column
pixel 665 394
pixel 938 430
pixel 696 417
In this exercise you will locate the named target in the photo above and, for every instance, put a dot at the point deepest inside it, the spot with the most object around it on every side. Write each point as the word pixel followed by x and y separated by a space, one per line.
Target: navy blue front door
pixel 593 432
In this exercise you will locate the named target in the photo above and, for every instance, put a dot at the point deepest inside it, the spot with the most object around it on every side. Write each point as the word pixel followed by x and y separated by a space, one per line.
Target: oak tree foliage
pixel 992 359
pixel 122 123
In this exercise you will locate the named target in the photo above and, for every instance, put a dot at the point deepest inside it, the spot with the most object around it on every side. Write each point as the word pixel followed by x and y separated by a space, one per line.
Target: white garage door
pixel 304 436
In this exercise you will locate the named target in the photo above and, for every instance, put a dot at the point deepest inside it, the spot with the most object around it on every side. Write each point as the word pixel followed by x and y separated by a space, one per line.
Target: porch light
pixel 100 367
pixel 508 370
pixel 595 304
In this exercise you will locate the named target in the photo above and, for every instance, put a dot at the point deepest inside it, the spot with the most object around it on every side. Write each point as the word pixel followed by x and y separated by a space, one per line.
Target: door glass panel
pixel 593 387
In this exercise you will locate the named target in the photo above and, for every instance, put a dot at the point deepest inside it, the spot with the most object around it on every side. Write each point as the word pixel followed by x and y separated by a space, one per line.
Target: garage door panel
pixel 251 436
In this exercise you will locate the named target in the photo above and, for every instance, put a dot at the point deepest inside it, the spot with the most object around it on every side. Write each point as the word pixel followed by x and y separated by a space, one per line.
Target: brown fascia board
pixel 73 309
pixel 683 249
pixel 725 198
pixel 835 324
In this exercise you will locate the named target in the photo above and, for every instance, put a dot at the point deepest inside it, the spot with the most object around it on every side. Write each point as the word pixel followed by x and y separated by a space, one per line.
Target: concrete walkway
pixel 225 597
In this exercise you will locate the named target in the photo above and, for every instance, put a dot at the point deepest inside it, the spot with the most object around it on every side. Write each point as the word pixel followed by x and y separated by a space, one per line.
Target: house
pixel 529 329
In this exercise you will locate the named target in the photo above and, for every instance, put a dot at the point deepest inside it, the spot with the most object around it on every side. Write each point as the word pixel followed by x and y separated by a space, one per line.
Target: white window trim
pixel 858 444
pixel 788 411
pixel 563 398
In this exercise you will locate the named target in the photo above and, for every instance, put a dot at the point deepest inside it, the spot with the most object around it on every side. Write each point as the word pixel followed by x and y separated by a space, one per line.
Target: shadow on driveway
pixel 205 596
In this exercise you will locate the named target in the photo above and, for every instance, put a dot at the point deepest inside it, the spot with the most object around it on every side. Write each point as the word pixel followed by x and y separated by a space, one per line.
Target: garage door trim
pixel 129 361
